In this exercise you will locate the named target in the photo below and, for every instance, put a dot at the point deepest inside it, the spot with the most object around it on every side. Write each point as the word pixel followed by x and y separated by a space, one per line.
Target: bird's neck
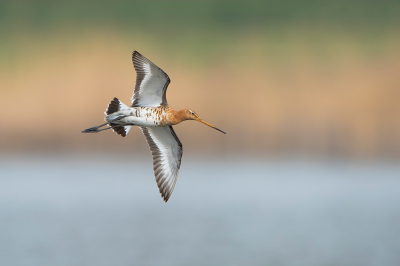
pixel 176 117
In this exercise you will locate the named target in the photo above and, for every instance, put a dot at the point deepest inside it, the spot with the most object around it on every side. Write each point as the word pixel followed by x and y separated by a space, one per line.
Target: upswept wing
pixel 151 83
pixel 166 149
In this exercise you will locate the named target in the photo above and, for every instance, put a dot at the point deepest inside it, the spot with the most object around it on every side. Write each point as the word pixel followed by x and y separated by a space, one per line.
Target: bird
pixel 150 112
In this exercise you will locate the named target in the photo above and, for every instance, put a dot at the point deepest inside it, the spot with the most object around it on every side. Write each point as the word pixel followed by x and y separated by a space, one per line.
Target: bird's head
pixel 192 115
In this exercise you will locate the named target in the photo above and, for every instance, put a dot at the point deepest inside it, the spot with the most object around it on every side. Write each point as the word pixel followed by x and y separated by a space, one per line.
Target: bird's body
pixel 160 116
pixel 152 114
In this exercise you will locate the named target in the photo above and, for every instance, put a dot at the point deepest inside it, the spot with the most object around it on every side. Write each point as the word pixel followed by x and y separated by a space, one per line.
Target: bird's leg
pixel 96 129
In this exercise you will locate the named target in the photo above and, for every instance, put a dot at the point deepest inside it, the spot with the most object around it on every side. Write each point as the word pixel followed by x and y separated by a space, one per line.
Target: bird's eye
pixel 192 113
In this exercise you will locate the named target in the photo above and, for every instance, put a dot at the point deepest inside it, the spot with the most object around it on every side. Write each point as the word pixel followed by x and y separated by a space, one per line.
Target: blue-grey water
pixel 107 211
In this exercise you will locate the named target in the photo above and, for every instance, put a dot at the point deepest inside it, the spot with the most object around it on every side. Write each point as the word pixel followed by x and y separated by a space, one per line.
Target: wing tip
pixel 166 195
pixel 135 53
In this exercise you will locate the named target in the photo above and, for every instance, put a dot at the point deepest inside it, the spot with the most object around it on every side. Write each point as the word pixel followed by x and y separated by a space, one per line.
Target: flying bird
pixel 152 114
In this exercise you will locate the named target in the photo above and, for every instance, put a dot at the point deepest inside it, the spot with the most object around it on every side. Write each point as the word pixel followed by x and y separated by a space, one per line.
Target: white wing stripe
pixel 167 153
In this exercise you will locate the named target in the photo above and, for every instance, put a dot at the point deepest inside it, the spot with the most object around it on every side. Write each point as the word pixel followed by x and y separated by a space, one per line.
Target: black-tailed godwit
pixel 152 114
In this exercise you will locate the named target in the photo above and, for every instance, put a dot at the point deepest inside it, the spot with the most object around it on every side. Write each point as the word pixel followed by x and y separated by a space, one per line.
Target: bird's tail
pixel 115 106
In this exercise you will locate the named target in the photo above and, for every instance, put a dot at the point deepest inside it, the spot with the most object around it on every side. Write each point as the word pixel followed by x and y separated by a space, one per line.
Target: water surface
pixel 103 211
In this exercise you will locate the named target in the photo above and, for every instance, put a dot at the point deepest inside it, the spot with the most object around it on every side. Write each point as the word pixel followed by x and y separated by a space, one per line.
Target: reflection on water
pixel 97 212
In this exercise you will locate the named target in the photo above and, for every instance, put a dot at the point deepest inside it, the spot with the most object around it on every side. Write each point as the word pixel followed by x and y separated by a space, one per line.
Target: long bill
pixel 204 122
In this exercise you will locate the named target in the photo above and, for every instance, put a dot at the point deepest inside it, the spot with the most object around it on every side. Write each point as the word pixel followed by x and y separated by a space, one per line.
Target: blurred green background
pixel 307 174
pixel 308 78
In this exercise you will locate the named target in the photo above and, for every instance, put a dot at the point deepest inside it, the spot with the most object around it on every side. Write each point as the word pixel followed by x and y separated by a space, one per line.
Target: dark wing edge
pixel 138 61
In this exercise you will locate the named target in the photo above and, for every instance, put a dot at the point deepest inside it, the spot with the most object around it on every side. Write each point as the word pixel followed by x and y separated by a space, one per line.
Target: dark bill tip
pixel 219 130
